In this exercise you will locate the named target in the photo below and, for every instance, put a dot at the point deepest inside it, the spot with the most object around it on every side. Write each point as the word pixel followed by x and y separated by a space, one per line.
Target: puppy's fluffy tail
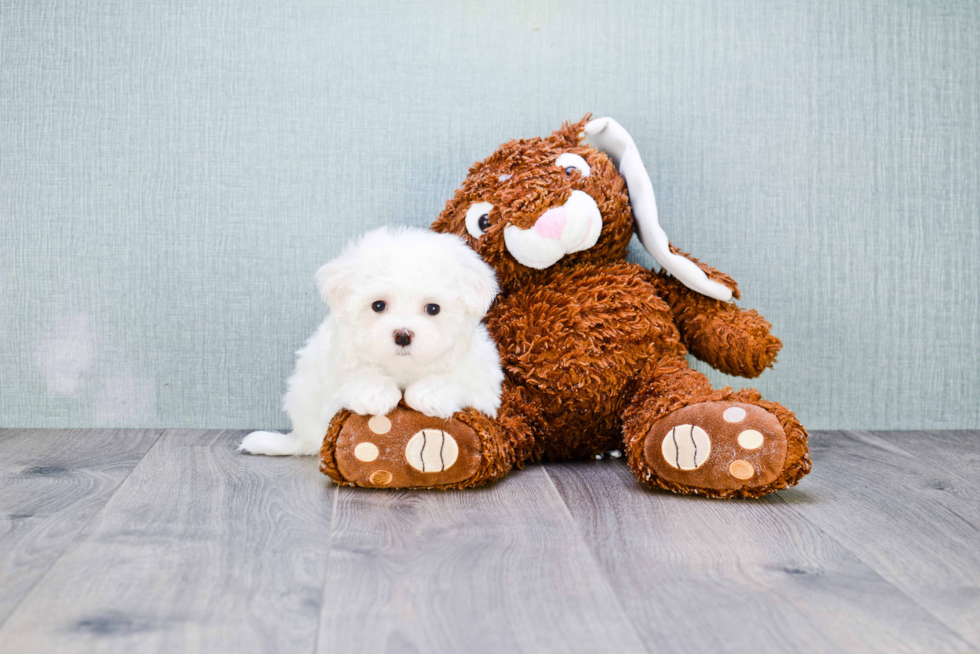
pixel 272 443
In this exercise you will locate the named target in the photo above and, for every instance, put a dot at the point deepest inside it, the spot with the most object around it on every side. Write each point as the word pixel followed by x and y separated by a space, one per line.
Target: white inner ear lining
pixel 606 135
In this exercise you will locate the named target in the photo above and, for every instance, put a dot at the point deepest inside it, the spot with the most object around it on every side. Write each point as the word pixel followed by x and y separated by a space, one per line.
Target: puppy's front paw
pixel 434 398
pixel 371 397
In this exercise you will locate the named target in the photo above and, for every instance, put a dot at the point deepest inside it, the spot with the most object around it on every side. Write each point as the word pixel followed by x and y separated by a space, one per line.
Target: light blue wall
pixel 173 173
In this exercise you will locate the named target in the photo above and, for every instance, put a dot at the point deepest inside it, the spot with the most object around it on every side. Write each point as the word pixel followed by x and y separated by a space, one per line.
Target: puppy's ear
pixel 335 282
pixel 477 282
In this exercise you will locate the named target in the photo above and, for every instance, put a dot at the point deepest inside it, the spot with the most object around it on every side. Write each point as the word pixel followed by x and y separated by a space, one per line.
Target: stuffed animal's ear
pixel 606 135
pixel 570 134
pixel 335 282
pixel 477 281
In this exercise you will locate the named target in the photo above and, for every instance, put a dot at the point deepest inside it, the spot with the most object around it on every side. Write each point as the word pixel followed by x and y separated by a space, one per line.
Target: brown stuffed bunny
pixel 593 347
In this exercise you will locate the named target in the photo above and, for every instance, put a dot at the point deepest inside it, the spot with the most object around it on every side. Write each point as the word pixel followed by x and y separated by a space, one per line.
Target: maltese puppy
pixel 405 320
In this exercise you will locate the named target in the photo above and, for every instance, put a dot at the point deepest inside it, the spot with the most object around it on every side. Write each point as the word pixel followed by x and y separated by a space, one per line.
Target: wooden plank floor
pixel 170 541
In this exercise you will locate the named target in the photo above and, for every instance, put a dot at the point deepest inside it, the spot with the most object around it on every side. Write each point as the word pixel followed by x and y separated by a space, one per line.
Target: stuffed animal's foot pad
pixel 406 449
pixel 717 446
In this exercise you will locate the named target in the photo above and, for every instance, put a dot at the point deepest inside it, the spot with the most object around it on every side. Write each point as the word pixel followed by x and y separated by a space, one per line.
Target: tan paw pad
pixel 366 452
pixel 379 424
pixel 686 447
pixel 431 450
pixel 750 439
pixel 734 414
pixel 741 469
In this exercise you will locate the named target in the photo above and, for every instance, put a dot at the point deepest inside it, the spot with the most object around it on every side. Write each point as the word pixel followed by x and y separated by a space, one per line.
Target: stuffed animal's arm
pixel 736 341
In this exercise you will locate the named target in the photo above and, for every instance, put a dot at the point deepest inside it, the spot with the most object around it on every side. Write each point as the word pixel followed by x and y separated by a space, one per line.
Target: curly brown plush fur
pixel 593 347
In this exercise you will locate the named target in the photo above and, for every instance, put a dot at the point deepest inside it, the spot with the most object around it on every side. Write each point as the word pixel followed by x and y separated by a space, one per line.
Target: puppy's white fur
pixel 353 362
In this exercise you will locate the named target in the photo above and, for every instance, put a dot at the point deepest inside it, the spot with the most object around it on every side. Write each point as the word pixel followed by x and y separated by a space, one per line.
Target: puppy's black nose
pixel 403 337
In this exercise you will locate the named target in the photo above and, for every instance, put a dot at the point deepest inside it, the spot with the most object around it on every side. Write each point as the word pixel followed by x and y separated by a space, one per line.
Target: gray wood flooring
pixel 170 541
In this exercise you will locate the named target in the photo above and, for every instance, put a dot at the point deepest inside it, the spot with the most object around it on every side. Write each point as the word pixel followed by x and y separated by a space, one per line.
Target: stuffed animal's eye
pixel 379 306
pixel 572 162
pixel 478 219
pixel 432 309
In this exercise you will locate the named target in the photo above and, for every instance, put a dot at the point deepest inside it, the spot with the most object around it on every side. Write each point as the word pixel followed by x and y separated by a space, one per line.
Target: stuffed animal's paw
pixel 723 449
pixel 403 449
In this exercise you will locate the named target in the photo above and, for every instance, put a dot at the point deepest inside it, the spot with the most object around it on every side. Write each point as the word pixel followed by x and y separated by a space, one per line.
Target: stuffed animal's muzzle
pixel 572 227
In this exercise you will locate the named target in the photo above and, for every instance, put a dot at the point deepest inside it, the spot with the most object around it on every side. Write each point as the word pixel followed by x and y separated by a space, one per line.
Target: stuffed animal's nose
pixel 551 223
pixel 403 337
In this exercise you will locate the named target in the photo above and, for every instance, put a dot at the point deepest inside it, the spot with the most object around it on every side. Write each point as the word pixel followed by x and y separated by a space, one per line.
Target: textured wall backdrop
pixel 173 172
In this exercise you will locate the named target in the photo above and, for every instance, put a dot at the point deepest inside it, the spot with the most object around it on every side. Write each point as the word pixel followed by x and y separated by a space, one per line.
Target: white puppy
pixel 405 312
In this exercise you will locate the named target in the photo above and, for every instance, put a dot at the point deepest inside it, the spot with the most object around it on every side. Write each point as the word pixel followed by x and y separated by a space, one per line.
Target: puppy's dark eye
pixel 379 306
pixel 432 309
pixel 483 222
pixel 570 170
